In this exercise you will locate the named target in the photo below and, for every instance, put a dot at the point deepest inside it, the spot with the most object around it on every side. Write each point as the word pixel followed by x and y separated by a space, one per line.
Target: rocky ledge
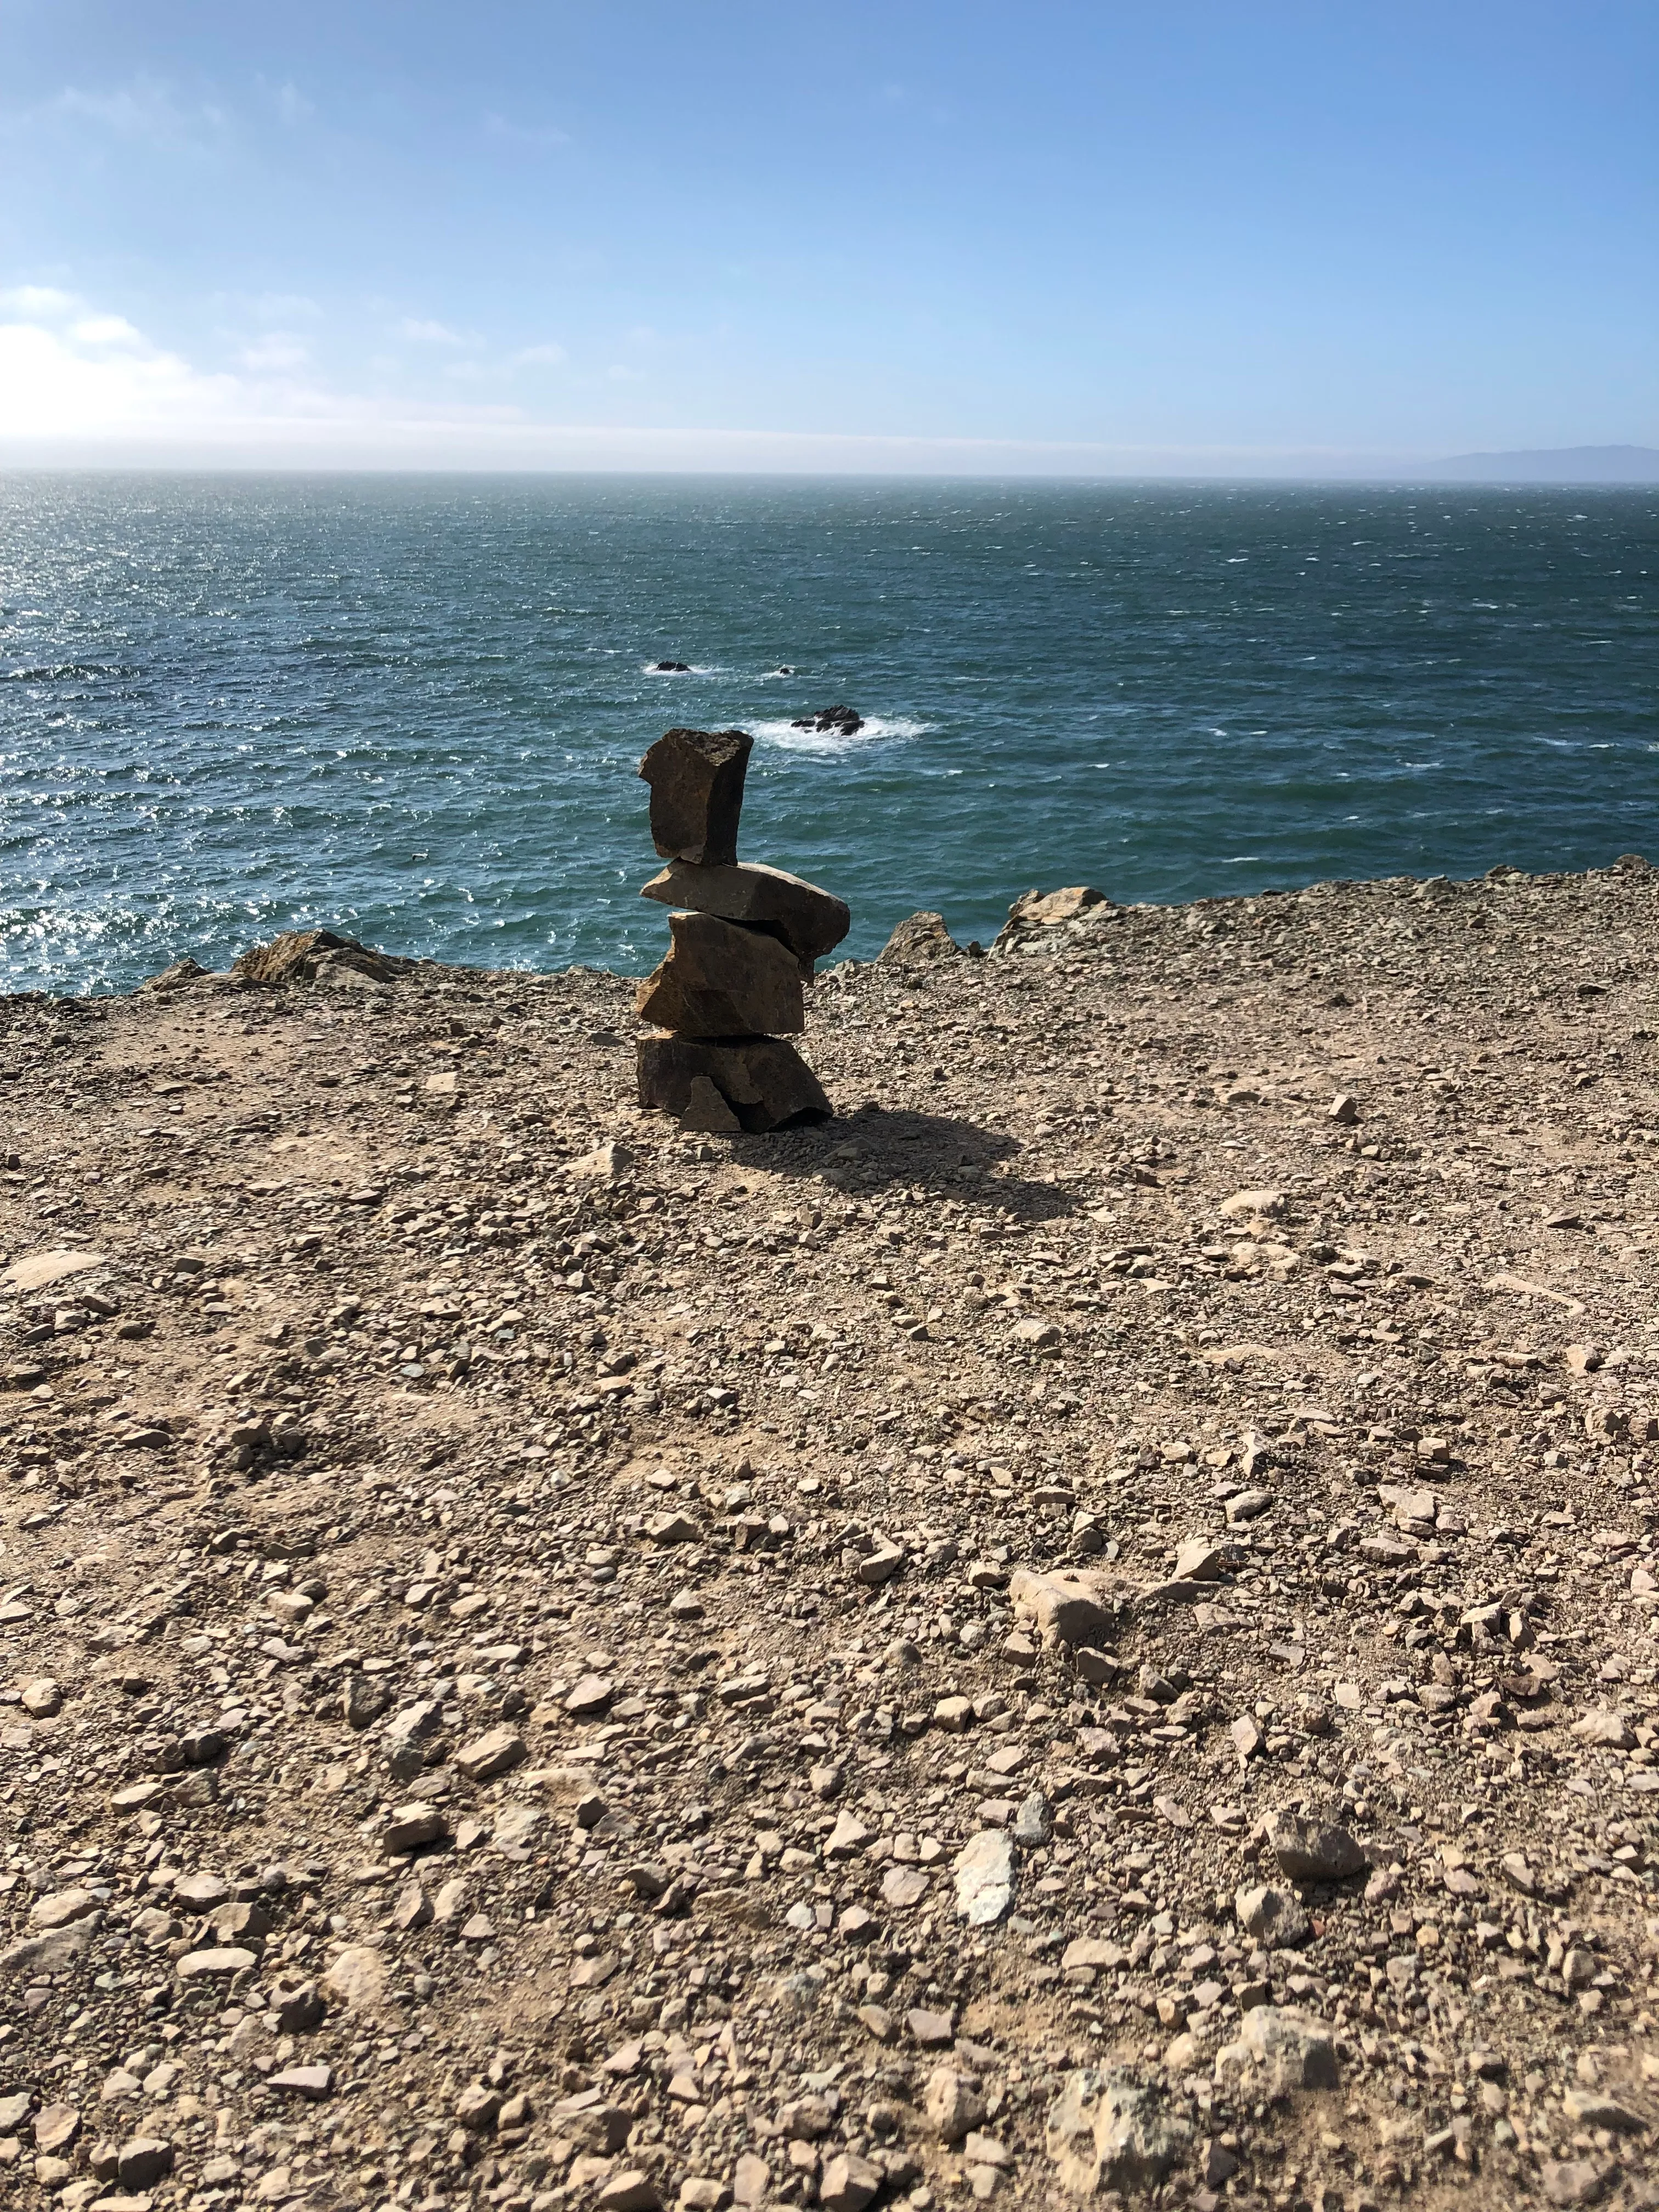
pixel 1087 1627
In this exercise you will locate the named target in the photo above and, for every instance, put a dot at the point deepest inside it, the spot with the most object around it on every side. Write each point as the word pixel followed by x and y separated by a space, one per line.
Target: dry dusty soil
pixel 1088 1626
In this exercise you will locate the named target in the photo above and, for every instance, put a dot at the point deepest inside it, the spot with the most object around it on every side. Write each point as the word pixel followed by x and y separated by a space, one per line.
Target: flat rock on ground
pixel 533 1604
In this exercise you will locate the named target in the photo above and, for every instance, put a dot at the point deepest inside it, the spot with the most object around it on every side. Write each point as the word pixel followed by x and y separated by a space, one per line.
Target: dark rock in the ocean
pixel 696 794
pixel 721 980
pixel 923 937
pixel 764 1081
pixel 670 668
pixel 783 669
pixel 831 721
pixel 808 921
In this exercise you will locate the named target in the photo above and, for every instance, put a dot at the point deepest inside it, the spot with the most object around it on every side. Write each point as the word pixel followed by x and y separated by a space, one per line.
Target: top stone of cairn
pixel 696 794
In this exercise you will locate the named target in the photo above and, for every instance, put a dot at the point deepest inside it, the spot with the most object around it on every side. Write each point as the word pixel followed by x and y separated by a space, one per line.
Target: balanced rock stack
pixel 743 942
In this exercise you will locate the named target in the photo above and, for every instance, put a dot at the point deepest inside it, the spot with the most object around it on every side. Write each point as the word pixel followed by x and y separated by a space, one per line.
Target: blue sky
pixel 1178 234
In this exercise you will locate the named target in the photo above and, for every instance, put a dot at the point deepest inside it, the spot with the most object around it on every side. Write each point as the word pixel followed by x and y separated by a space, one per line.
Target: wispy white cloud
pixel 146 109
pixel 276 352
pixel 278 308
pixel 538 357
pixel 97 377
pixel 422 331
pixel 538 138
pixel 288 103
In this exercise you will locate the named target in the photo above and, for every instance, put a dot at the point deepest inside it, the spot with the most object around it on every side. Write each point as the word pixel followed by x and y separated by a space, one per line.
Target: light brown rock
pixel 1064 1606
pixel 919 939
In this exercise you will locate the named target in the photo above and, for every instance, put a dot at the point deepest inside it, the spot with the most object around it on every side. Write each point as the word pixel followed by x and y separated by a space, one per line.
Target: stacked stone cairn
pixel 744 941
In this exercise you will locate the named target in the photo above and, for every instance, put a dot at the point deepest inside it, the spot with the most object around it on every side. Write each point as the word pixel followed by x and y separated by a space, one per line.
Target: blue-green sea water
pixel 413 708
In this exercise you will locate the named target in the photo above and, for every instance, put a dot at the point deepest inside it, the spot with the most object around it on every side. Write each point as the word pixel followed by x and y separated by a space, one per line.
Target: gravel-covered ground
pixel 521 1630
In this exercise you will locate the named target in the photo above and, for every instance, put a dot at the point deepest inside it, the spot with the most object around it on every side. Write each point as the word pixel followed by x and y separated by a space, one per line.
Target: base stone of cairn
pixel 762 1082
pixel 743 940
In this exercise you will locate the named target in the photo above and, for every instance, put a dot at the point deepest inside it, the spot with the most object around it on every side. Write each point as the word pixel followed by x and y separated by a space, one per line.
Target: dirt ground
pixel 1089 1624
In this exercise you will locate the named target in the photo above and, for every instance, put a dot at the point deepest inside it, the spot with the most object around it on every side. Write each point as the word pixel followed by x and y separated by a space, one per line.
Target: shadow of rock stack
pixel 744 941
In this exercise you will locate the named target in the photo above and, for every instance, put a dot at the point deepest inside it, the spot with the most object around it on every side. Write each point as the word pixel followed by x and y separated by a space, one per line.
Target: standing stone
pixel 696 794
pixel 721 980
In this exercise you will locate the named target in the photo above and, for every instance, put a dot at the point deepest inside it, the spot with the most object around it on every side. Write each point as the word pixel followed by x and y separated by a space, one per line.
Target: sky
pixel 1208 237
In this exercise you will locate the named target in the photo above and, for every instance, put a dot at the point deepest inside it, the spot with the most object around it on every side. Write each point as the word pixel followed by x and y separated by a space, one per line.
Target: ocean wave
pixel 784 735
pixel 65 671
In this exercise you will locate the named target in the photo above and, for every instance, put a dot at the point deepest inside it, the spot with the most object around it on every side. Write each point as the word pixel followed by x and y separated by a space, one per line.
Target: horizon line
pixel 1429 474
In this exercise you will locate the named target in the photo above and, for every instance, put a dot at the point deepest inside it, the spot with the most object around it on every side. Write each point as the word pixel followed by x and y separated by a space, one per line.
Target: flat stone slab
pixel 45 1955
pixel 723 980
pixel 36 1269
pixel 313 2082
pixel 985 1877
pixel 215 1965
pixel 810 921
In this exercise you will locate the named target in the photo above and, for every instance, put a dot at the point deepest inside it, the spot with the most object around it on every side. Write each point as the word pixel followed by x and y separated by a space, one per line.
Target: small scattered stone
pixel 1312 1847
pixel 848 2183
pixel 1274 1920
pixel 985 1877
pixel 409 1826
pixel 215 1965
pixel 592 1694
pixel 1283 2049
pixel 880 1565
pixel 486 1756
pixel 1064 1607
pixel 952 2103
pixel 631 2191
pixel 143 2161
pixel 357 1979
pixel 1105 2132
pixel 56 2127
pixel 1571 2181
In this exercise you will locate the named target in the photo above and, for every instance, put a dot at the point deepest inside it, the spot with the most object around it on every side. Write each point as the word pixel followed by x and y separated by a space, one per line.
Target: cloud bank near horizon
pixel 79 386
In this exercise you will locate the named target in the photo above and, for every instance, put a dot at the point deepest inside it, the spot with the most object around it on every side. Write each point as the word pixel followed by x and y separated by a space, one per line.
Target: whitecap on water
pixel 875 729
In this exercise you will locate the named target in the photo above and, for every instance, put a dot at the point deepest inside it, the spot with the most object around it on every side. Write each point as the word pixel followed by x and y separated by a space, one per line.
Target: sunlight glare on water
pixel 413 708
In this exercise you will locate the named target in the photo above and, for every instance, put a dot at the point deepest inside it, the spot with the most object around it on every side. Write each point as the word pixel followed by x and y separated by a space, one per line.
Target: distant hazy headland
pixel 1564 464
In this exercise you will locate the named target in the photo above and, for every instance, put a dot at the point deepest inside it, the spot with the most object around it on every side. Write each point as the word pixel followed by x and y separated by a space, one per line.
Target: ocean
pixel 412 708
